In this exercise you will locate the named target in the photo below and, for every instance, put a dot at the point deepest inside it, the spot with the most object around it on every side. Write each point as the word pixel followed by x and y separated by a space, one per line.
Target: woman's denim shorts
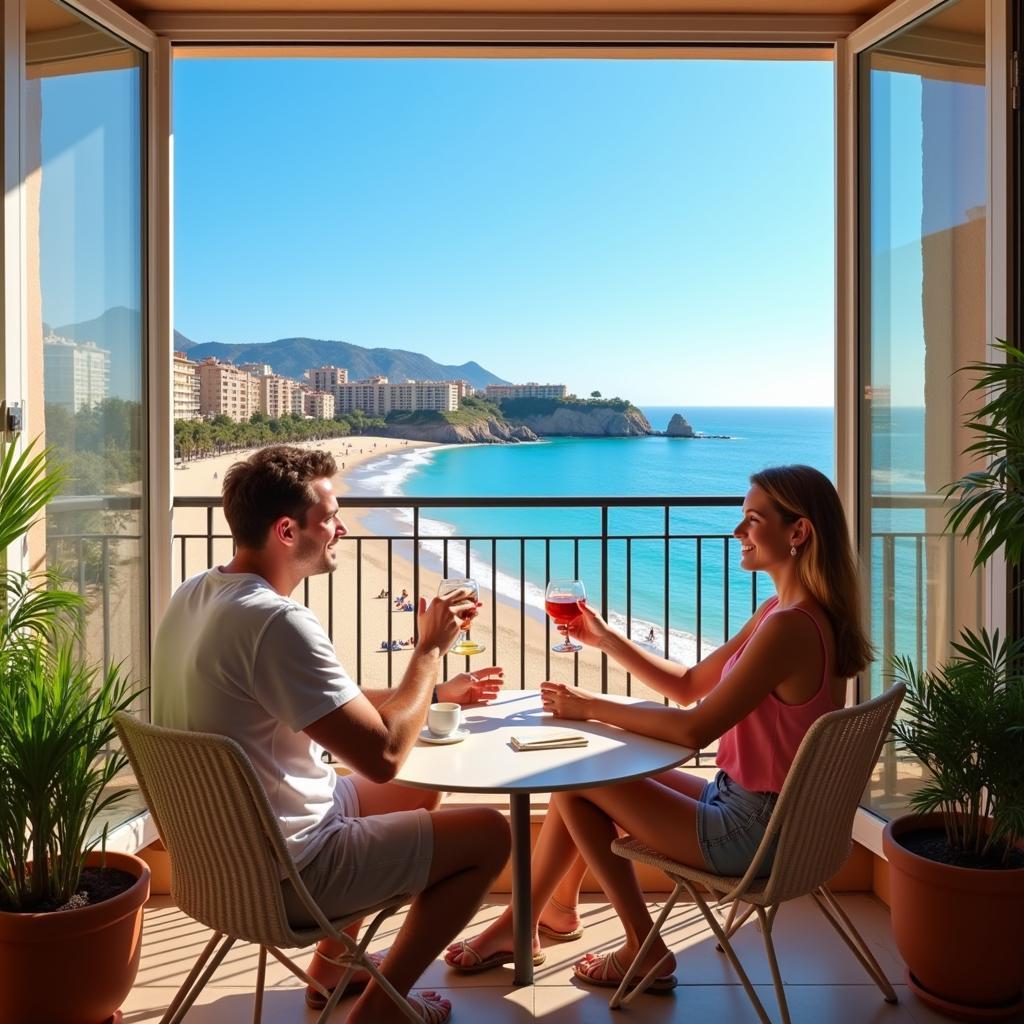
pixel 731 822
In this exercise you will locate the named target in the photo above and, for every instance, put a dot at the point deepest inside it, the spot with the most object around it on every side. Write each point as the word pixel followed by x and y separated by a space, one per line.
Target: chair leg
pixel 767 919
pixel 190 998
pixel 357 956
pixel 261 977
pixel 727 949
pixel 837 917
pixel 360 960
pixel 622 993
pixel 732 926
pixel 296 970
pixel 192 975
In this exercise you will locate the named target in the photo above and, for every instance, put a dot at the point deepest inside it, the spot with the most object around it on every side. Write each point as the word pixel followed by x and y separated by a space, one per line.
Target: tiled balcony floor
pixel 823 981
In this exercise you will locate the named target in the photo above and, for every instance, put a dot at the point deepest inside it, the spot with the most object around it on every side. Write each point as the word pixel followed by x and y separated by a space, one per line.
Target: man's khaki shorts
pixel 363 861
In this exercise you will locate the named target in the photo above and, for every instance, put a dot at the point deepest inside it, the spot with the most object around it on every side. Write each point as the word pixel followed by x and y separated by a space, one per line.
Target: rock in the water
pixel 679 427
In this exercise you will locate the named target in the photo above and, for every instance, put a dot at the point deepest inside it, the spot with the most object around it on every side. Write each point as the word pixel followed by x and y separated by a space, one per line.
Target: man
pixel 235 655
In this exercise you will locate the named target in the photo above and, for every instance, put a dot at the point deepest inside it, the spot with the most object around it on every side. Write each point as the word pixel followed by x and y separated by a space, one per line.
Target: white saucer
pixel 456 737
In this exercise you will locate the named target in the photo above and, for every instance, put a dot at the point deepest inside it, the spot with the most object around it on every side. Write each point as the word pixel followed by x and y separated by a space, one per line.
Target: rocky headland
pixel 596 422
pixel 485 430
pixel 478 421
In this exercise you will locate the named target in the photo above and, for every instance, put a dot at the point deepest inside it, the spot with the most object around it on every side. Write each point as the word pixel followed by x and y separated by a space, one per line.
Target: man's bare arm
pixel 375 738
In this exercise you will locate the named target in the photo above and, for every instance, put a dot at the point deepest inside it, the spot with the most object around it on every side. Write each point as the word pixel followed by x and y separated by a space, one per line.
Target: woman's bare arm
pixel 774 654
pixel 679 683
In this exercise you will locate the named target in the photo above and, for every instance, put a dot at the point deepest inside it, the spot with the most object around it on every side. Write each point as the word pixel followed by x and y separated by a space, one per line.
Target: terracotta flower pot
pixel 73 966
pixel 960 930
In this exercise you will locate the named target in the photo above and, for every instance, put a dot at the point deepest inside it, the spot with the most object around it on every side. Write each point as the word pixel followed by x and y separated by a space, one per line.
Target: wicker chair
pixel 228 857
pixel 812 821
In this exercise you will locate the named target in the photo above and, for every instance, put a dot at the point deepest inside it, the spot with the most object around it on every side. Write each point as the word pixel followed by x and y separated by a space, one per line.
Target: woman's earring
pixel 792 551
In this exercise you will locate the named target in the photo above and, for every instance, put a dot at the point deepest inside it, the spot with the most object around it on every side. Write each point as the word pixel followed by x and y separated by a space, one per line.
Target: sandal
pixel 316 1000
pixel 607 972
pixel 432 1007
pixel 479 963
pixel 552 933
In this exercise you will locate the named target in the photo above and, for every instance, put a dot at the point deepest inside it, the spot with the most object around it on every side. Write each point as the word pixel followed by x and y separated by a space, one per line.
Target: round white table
pixel 486 763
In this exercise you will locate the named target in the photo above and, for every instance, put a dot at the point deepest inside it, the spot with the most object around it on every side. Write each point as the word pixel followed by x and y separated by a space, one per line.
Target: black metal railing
pixel 87 553
pixel 91 556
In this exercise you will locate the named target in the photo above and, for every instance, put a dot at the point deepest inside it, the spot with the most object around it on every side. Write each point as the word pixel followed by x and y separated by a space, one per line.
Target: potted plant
pixel 956 865
pixel 70 914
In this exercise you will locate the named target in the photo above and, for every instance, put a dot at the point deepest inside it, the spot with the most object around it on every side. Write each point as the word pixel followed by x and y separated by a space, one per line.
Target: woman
pixel 759 693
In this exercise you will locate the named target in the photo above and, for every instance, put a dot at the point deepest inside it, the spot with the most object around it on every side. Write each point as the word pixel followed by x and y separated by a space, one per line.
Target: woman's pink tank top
pixel 758 750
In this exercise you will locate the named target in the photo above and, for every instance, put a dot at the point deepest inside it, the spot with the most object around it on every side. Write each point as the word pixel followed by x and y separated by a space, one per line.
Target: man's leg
pixel 374 798
pixel 471 846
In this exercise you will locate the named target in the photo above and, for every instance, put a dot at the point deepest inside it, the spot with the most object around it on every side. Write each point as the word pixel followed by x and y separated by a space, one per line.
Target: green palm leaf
pixel 28 483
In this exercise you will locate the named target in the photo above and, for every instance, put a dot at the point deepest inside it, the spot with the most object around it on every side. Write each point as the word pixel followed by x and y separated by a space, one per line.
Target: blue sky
pixel 660 230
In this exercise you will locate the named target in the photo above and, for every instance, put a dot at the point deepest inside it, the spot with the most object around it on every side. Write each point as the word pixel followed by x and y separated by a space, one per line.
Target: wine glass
pixel 561 602
pixel 463 645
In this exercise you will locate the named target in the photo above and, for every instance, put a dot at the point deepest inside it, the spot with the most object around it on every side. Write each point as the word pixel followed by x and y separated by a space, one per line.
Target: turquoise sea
pixel 614 467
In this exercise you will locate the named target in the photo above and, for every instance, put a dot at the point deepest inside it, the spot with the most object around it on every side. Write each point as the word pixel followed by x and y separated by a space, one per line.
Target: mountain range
pixel 118 331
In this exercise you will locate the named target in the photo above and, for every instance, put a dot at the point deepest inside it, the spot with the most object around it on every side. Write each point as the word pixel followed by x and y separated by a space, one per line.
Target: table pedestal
pixel 522 916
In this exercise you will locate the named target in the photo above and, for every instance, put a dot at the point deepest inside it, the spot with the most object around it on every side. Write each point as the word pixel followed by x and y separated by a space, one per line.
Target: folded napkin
pixel 548 739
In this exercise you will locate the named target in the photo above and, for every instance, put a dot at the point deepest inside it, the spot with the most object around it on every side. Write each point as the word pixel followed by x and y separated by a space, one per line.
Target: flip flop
pixel 480 963
pixel 317 1000
pixel 436 1010
pixel 552 933
pixel 606 972
pixel 557 936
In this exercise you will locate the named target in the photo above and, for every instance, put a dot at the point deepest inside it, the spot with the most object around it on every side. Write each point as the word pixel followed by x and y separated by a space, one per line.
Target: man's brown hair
pixel 273 482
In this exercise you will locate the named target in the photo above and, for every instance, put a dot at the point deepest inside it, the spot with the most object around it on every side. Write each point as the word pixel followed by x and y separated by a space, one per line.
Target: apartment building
pixel 278 395
pixel 377 396
pixel 257 369
pixel 528 390
pixel 76 374
pixel 185 388
pixel 326 378
pixel 318 404
pixel 227 390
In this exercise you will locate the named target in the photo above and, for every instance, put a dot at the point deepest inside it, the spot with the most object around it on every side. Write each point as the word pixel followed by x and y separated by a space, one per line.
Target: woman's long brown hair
pixel 825 562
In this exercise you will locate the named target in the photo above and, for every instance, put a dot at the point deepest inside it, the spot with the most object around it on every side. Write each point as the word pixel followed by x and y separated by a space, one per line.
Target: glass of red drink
pixel 562 600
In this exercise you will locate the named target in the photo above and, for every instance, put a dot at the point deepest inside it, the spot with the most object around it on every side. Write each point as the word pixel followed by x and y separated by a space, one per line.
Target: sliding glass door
pixel 924 206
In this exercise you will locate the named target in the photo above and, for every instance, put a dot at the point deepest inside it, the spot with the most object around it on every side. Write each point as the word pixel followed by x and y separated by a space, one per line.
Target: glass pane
pixel 84 203
pixel 924 268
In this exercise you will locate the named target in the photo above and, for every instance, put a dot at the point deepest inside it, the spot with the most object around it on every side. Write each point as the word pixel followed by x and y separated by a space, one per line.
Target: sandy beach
pixel 347 601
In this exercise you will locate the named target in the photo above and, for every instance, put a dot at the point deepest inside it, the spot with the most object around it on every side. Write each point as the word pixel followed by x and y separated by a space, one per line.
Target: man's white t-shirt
pixel 234 657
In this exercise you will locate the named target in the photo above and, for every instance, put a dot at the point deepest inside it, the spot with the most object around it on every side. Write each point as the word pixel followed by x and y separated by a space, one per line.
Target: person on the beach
pixel 235 655
pixel 757 694
pixel 650 635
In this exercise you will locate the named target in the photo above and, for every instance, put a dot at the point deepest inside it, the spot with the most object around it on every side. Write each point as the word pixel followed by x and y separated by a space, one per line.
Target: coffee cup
pixel 444 718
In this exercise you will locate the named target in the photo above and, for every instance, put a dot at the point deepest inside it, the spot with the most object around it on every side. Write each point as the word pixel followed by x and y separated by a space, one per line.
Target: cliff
pixel 568 418
pixel 478 421
pixel 434 428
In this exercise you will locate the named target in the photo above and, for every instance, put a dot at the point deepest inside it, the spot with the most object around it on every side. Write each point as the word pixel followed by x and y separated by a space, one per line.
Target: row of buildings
pixel 213 388
pixel 77 376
